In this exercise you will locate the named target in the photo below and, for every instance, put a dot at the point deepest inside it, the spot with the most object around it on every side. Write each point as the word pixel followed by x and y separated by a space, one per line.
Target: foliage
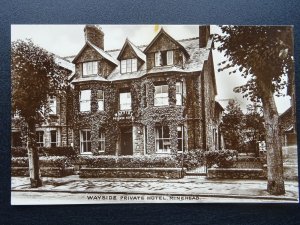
pixel 192 159
pixel 222 158
pixel 45 161
pixel 57 151
pixel 19 152
pixel 232 126
pixel 129 161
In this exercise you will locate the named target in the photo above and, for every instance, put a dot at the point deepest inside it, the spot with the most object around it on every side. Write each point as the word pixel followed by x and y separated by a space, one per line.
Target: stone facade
pixel 184 121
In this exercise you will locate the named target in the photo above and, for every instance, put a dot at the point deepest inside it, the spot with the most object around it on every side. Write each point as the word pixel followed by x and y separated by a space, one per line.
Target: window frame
pixel 101 140
pixel 85 70
pixel 86 101
pixel 53 143
pixel 165 141
pixel 85 142
pixel 53 105
pixel 100 100
pixel 180 138
pixel 120 104
pixel 125 65
pixel 156 97
pixel 170 61
pixel 39 142
pixel 179 93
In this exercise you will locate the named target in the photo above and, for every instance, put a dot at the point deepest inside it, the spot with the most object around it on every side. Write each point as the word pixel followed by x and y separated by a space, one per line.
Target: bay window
pixel 40 138
pixel 178 93
pixel 53 138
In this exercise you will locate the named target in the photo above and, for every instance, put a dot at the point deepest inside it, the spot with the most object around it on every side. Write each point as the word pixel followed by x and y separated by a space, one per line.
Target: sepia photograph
pixel 117 114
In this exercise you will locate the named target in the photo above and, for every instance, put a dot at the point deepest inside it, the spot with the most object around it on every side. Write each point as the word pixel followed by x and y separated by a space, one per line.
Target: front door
pixel 126 141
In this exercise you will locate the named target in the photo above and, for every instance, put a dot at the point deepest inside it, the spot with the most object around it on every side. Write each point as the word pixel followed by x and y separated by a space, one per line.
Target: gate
pixel 199 171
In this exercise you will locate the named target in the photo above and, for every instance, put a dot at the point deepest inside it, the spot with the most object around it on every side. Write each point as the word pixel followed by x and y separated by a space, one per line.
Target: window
pixel 178 93
pixel 164 58
pixel 85 141
pixel 100 100
pixel 169 57
pixel 101 147
pixel 128 65
pixel 180 139
pixel 162 139
pixel 161 95
pixel 53 138
pixel 89 68
pixel 52 105
pixel 125 101
pixel 16 139
pixel 85 100
pixel 40 138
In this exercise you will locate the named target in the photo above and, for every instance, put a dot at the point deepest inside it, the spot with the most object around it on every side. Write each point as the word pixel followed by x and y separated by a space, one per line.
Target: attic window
pixel 128 65
pixel 163 58
pixel 89 69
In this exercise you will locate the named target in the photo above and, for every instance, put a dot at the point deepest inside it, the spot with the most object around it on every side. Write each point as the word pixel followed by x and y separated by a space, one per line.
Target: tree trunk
pixel 33 157
pixel 274 149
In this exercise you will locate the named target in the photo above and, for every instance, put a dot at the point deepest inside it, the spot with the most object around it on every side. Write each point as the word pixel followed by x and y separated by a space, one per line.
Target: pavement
pixel 187 189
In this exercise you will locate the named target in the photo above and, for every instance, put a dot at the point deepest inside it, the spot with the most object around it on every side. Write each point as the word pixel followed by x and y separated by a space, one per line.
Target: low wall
pixel 172 173
pixel 45 171
pixel 290 172
pixel 235 173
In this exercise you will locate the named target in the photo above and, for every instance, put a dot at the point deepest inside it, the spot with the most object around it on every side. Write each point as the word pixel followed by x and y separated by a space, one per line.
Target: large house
pixel 153 99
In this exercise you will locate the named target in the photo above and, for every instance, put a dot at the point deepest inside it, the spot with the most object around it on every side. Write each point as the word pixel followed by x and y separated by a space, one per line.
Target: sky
pixel 67 40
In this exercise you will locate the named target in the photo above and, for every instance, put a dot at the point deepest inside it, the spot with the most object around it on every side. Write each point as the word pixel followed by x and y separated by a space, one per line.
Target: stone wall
pixel 235 173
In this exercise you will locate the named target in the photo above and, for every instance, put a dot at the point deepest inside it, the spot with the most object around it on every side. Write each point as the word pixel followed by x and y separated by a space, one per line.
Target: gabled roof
pixel 135 49
pixel 99 50
pixel 163 32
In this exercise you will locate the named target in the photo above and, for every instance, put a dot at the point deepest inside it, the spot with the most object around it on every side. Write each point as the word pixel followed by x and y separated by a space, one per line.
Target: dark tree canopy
pixel 35 76
pixel 263 54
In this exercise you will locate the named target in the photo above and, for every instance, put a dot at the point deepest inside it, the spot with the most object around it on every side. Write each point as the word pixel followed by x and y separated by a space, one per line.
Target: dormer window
pixel 163 58
pixel 128 65
pixel 89 69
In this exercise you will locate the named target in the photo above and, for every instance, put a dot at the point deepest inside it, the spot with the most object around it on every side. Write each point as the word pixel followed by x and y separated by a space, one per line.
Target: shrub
pixel 129 161
pixel 192 159
pixel 57 151
pixel 19 152
pixel 222 158
pixel 44 161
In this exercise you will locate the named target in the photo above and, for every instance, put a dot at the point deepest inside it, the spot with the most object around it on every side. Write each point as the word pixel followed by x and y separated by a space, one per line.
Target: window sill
pixel 86 153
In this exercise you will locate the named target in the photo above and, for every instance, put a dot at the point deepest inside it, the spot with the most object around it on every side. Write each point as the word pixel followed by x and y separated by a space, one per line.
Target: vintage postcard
pixel 105 114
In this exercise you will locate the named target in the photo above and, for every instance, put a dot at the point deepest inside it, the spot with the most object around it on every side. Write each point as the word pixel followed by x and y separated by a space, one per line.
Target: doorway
pixel 126 141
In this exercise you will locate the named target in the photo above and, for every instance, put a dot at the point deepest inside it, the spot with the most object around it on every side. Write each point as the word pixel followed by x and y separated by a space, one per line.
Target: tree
pixel 263 55
pixel 232 126
pixel 35 77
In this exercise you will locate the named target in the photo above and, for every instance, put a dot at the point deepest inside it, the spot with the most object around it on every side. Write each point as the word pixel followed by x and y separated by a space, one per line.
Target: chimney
pixel 204 33
pixel 95 35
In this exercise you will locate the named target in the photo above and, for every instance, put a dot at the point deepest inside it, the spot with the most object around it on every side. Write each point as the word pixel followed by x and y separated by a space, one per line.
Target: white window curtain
pixel 179 93
pixel 52 105
pixel 90 68
pixel 169 57
pixel 157 58
pixel 161 95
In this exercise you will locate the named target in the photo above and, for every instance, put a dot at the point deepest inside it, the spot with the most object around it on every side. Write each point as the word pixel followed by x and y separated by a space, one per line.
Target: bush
pixel 192 159
pixel 19 162
pixel 57 151
pixel 129 161
pixel 19 152
pixel 44 161
pixel 222 158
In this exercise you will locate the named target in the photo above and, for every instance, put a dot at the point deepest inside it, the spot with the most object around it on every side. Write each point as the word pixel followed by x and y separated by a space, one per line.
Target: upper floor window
pixel 178 93
pixel 128 65
pixel 163 58
pixel 85 100
pixel 161 95
pixel 89 68
pixel 125 101
pixel 100 100
pixel 52 105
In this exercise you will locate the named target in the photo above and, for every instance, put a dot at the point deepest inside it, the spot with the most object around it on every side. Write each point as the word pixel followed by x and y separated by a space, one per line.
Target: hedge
pixel 144 161
pixel 44 161
pixel 222 158
pixel 45 151
pixel 192 159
